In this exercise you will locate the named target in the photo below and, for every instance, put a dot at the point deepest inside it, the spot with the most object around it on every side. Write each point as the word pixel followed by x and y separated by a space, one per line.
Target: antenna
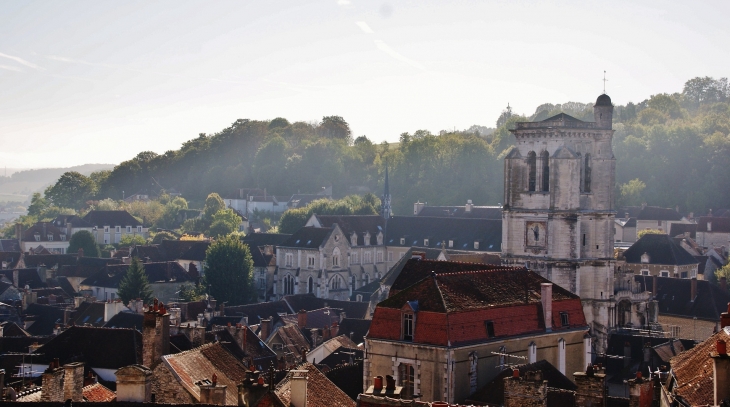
pixel 604 82
pixel 503 360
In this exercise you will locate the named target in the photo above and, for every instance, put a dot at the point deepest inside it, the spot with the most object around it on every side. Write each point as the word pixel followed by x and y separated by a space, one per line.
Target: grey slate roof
pixel 484 212
pixel 674 297
pixel 308 238
pixel 111 275
pixel 661 250
pixel 111 218
pixel 359 224
pixel 463 231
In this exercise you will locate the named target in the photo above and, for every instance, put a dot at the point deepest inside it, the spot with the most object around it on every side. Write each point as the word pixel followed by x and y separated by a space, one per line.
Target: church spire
pixel 385 209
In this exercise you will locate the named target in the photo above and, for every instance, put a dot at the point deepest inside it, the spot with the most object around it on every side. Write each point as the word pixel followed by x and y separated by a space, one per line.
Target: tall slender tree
pixel 135 284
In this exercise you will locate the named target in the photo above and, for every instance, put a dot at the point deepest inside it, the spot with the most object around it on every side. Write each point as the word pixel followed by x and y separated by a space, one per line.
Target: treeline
pixel 671 149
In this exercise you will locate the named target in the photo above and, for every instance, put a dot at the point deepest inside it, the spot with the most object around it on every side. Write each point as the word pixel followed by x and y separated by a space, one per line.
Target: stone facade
pixel 134 383
pixel 155 334
pixel 167 389
pixel 528 391
pixel 591 388
pixel 73 382
pixel 51 382
pixel 558 216
pixel 687 327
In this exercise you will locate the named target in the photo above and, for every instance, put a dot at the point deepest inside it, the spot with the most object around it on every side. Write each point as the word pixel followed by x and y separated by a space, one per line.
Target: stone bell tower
pixel 559 210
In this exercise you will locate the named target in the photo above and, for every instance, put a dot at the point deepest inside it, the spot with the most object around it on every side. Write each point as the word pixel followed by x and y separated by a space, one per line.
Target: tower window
pixel 584 239
pixel 587 174
pixel 564 320
pixel 545 158
pixel 532 171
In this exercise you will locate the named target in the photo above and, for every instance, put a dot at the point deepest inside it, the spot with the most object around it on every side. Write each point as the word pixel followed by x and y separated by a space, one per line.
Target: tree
pixel 213 204
pixel 131 240
pixel 225 222
pixel 72 190
pixel 229 271
pixel 191 292
pixel 335 127
pixel 163 235
pixel 83 239
pixel 134 284
pixel 723 272
pixel 37 205
pixel 631 192
pixel 650 232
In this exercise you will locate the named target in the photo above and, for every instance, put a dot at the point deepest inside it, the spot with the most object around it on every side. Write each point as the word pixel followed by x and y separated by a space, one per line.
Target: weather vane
pixel 604 82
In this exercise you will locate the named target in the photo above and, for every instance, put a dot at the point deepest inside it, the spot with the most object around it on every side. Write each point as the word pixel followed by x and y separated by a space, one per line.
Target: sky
pixel 98 82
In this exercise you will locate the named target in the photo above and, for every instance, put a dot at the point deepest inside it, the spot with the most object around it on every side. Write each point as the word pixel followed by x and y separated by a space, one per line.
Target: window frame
pixel 407 326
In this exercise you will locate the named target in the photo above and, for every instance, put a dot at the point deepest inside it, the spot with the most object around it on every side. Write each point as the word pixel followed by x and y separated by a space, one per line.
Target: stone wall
pixel 167 389
pixel 528 391
pixel 688 328
pixel 73 382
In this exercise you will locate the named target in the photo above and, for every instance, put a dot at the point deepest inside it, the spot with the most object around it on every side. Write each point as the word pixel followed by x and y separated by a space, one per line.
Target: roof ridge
pixel 199 348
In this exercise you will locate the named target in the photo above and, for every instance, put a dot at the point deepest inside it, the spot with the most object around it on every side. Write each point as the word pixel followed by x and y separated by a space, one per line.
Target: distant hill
pixel 21 184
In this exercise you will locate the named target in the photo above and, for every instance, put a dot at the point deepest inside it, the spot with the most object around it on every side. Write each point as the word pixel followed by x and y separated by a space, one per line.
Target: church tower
pixel 559 210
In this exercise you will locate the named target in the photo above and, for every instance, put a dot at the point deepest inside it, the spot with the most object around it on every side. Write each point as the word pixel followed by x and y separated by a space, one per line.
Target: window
pixel 380 238
pixel 584 240
pixel 402 240
pixel 106 229
pixel 683 274
pixel 367 279
pixel 139 229
pixel 288 259
pixel 451 243
pixel 336 282
pixel 358 298
pixel 407 327
pixel 288 284
pixel 278 346
pixel 644 272
pixel 262 281
pixel 63 237
pixel 564 320
pixel 490 329
pixel 353 239
pixel 664 273
pixel 355 259
pixel 310 285
pixel 545 158
pixel 353 283
pixel 367 239
pixel 406 378
pixel 476 245
pixel 390 256
pixel 367 257
pixel 37 237
pixel 117 229
pixel 532 171
pixel 379 257
pixel 336 257
pixel 532 353
pixel 587 174
pixel 425 242
pixel 310 262
pixel 50 237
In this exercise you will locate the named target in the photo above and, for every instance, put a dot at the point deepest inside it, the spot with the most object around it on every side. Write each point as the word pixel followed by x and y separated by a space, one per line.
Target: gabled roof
pixel 321 392
pixel 415 270
pixel 347 377
pixel 90 313
pixel 165 272
pixel 11 259
pixel 331 345
pixel 130 320
pixel 9 245
pixel 562 117
pixel 265 239
pixel 658 213
pixel 92 346
pixel 629 223
pixel 50 260
pixel 257 311
pixel 28 276
pixel 98 393
pixel 309 302
pixel 193 366
pixel 196 252
pixel 693 371
pixel 661 250
pixel 358 327
pixel 43 229
pixel 484 212
pixel 308 238
pixel 492 393
pixel 674 297
pixel 12 329
pixel 111 218
pixel 261 259
pixel 463 231
pixel 358 224
pixel 74 220
pixel 719 225
pixel 292 338
pixel 46 318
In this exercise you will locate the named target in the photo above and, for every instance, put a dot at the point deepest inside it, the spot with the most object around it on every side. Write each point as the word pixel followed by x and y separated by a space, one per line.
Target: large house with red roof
pixel 462 321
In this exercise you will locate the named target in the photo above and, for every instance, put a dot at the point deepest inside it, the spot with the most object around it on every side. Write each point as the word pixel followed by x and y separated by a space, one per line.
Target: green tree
pixel 229 271
pixel 213 204
pixel 134 284
pixel 631 192
pixel 131 240
pixel 72 190
pixel 191 292
pixel 650 232
pixel 37 204
pixel 335 127
pixel 163 235
pixel 225 222
pixel 83 239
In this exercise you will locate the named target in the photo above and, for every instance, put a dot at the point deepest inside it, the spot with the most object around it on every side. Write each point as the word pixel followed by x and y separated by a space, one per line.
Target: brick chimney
pixel 641 391
pixel 213 393
pixel 721 372
pixel 334 329
pixel 73 382
pixel 134 383
pixel 252 389
pixel 725 317
pixel 51 381
pixel 590 387
pixel 530 390
pixel 547 304
pixel 302 319
pixel 155 334
pixel 265 329
pixel 298 383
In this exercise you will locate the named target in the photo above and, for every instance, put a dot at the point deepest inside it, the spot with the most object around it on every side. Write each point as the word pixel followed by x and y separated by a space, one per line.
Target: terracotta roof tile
pixel 321 392
pixel 98 393
pixel 693 371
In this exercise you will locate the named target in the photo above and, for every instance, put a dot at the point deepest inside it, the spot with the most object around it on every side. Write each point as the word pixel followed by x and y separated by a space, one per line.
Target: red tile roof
pixel 321 392
pixel 98 393
pixel 693 371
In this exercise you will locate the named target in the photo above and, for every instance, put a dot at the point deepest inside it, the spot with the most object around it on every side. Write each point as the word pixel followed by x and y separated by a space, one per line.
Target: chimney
pixel 725 317
pixel 265 329
pixel 342 316
pixel 547 304
pixel 314 332
pixel 334 329
pixel 723 283
pixel 19 233
pixel 641 391
pixel 73 382
pixel 52 386
pixel 378 383
pixel 302 319
pixel 389 382
pixel 721 372
pixel 655 284
pixel 326 333
pixel 590 385
pixel 252 389
pixel 155 334
pixel 134 383
pixel 693 288
pixel 213 393
pixel 530 390
pixel 298 383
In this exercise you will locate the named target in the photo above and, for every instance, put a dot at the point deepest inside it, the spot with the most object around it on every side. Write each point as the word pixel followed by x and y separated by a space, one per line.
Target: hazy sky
pixel 99 81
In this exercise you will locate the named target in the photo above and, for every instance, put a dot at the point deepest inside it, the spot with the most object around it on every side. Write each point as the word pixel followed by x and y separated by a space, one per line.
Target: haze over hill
pixel 21 183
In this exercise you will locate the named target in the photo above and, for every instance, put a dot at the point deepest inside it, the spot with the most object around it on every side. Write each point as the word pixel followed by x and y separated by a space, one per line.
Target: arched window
pixel 587 174
pixel 288 284
pixel 531 171
pixel 336 282
pixel 353 282
pixel 336 257
pixel 310 285
pixel 532 353
pixel 545 158
pixel 561 355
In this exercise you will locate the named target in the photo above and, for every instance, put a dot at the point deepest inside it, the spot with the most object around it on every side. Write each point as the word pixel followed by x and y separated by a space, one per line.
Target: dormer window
pixel 407 326
pixel 709 226
pixel 380 238
pixel 106 229
pixel 367 239
pixel 425 242
pixel 645 258
pixel 476 245
pixel 353 239
pixel 402 241
pixel 451 243
pixel 139 229
pixel 564 319
pixel 63 237
pixel 117 229
pixel 129 229
pixel 37 237
pixel 50 237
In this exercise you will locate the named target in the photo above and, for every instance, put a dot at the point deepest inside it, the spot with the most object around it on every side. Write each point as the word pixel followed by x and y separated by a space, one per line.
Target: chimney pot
pixel 515 373
pixel 389 382
pixel 378 383
pixel 721 347
pixel 214 379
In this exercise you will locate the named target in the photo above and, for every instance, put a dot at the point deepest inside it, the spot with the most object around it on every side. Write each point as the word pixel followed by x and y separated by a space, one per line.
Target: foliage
pixel 723 272
pixel 83 239
pixel 72 190
pixel 37 205
pixel 229 271
pixel 134 284
pixel 131 240
pixel 650 232
pixel 293 219
pixel 191 292
pixel 225 222
pixel 163 235
pixel 631 192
